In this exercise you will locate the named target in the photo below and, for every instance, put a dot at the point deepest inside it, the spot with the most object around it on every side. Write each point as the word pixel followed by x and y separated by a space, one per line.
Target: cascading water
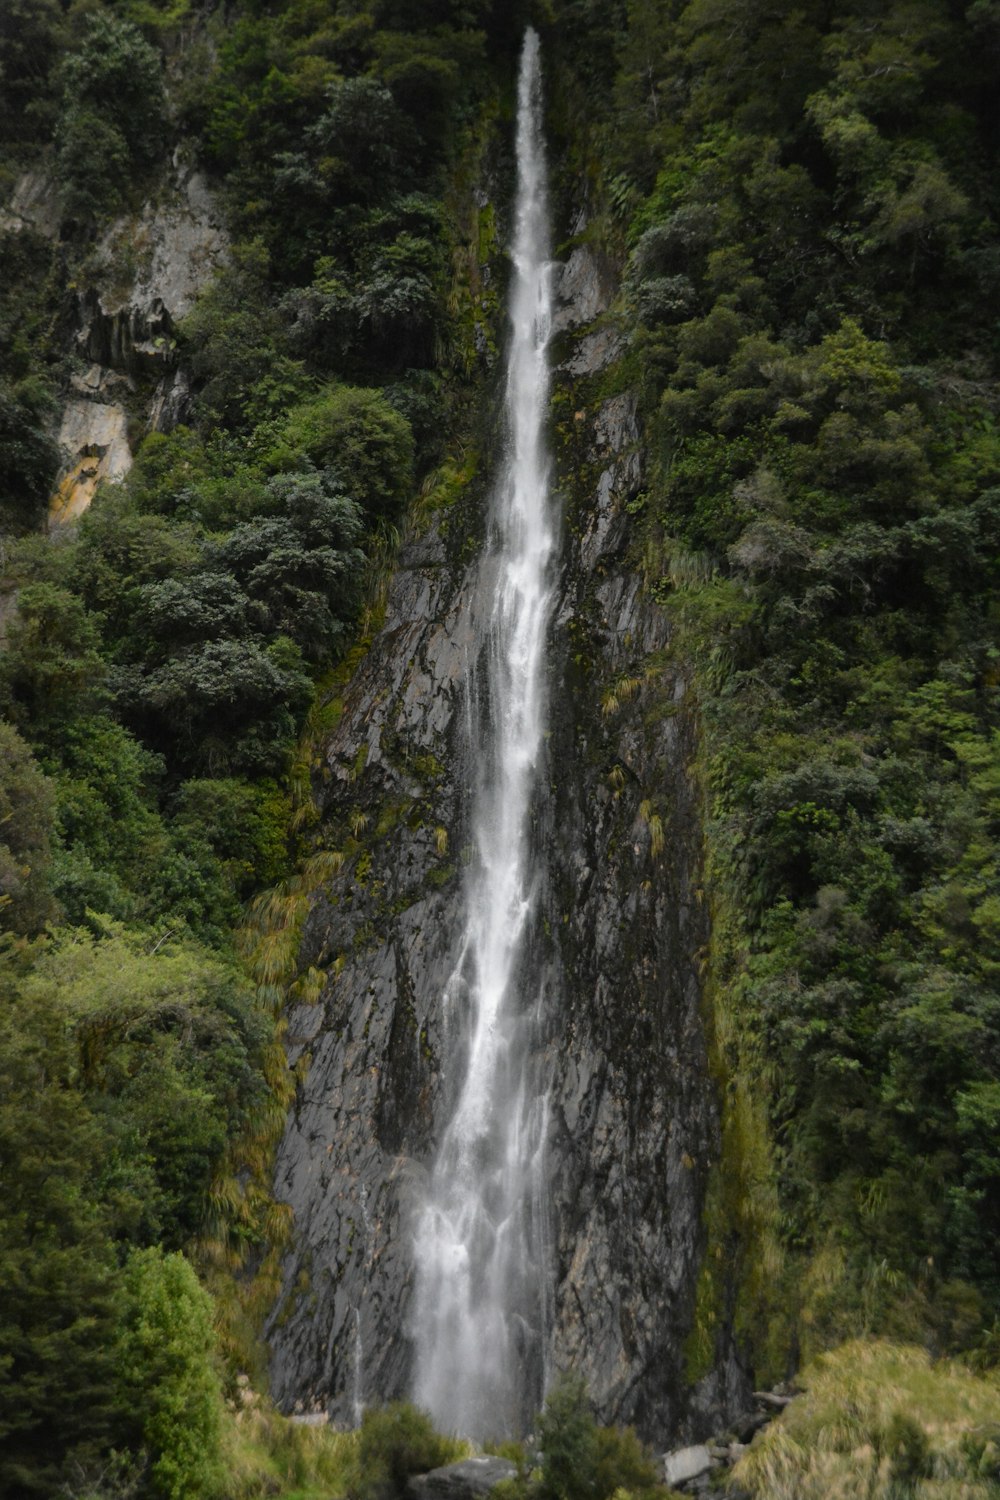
pixel 480 1296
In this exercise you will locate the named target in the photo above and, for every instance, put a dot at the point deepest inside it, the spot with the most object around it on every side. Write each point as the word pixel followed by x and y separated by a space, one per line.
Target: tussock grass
pixel 622 691
pixel 267 1455
pixel 880 1421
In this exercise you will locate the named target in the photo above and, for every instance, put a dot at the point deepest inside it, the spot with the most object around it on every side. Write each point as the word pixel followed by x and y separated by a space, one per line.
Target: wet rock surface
pixel 612 953
pixel 359 1138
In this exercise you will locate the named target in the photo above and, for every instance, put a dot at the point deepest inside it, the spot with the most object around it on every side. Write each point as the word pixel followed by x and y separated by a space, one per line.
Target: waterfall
pixel 480 1294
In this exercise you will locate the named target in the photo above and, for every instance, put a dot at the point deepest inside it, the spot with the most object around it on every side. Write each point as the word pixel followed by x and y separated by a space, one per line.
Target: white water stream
pixel 480 1295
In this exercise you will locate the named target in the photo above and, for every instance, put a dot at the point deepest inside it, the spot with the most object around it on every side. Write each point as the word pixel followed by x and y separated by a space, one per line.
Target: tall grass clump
pixel 267 1455
pixel 881 1421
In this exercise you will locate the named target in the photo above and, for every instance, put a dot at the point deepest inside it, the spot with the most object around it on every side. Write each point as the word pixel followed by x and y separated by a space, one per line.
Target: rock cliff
pixel 139 281
pixel 614 949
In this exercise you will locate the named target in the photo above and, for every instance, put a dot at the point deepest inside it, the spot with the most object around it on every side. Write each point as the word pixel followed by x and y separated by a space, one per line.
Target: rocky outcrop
pixel 93 436
pixel 360 1133
pixel 613 955
pixel 34 204
pixel 142 278
pixel 704 1468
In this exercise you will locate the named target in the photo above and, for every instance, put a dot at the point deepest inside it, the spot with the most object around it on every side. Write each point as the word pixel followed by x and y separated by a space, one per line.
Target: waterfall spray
pixel 481 1285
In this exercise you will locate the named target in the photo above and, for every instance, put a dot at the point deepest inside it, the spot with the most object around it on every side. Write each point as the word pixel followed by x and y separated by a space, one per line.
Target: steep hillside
pixel 808 205
pixel 239 333
pixel 252 324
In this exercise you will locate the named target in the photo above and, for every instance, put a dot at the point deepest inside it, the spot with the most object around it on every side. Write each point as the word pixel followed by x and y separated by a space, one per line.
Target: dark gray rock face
pixel 615 939
pixel 468 1480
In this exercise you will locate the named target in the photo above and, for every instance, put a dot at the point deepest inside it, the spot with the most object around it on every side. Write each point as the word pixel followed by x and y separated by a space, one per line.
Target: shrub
pixel 567 1433
pixel 356 434
pixel 168 1380
pixel 115 75
pixel 396 1441
pixel 26 811
pixel 581 1459
pixel 28 456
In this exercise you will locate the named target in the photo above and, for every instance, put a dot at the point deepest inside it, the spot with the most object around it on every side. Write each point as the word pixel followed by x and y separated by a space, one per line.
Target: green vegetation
pixel 165 672
pixel 880 1422
pixel 127 1061
pixel 112 114
pixel 394 1443
pixel 265 1454
pixel 579 1458
pixel 807 203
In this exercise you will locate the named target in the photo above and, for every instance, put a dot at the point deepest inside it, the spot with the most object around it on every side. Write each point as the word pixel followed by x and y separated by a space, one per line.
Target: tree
pixel 28 456
pixel 30 36
pixel 160 1043
pixel 167 1381
pixel 234 341
pixel 303 569
pixel 26 815
pixel 116 78
pixel 51 669
pixel 222 705
pixel 355 434
pixel 56 1260
pixel 567 1435
pixel 361 141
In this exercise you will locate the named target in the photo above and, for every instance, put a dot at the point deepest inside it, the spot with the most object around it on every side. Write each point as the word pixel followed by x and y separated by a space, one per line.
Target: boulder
pixel 685 1464
pixel 462 1481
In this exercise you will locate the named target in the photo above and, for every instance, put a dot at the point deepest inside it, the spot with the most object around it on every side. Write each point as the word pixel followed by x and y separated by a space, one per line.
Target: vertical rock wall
pixel 617 932
pixel 141 278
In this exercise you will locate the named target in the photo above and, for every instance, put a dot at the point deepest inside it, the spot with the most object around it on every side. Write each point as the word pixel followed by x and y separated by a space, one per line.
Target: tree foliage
pixel 158 661
pixel 167 1380
pixel 113 113
pixel 807 202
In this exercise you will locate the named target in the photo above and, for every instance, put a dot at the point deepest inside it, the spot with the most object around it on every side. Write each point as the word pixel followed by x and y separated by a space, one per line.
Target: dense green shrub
pixel 28 457
pixel 396 1441
pixel 167 1381
pixel 363 441
pixel 113 114
pixel 581 1459
pixel 51 668
pixel 567 1435
pixel 162 1037
pixel 31 33
pixel 26 819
